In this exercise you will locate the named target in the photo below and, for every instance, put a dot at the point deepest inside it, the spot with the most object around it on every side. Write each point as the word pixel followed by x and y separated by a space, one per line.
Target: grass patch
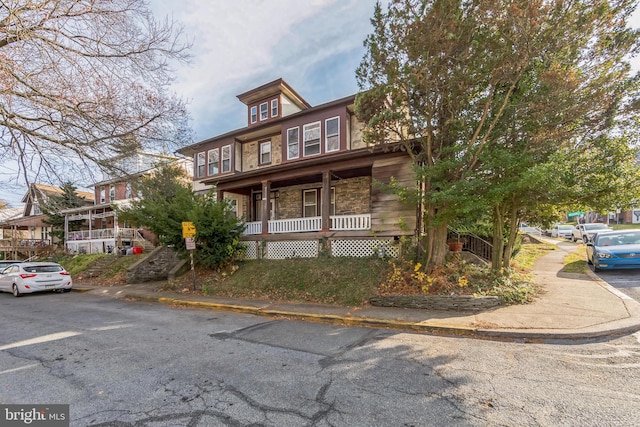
pixel 576 262
pixel 341 280
pixel 113 273
pixel 529 253
pixel 78 263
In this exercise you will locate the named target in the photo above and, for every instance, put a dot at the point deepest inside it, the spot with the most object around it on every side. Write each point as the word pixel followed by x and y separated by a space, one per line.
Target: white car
pixel 585 232
pixel 28 277
pixel 562 230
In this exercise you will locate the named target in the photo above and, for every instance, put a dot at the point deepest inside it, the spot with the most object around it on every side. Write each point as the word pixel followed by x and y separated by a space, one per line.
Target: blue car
pixel 614 249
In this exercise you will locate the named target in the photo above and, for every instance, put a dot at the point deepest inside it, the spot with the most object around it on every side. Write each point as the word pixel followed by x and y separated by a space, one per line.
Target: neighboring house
pixel 101 231
pixel 303 179
pixel 24 233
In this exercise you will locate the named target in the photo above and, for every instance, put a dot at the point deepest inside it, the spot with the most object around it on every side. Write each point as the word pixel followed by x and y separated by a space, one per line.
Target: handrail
pixel 472 243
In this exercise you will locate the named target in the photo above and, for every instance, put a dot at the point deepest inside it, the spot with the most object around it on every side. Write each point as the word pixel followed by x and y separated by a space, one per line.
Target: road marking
pixel 19 369
pixel 110 327
pixel 38 340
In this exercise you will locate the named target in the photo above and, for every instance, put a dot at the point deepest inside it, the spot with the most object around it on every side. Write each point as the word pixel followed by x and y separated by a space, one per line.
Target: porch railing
pixel 103 233
pixel 301 225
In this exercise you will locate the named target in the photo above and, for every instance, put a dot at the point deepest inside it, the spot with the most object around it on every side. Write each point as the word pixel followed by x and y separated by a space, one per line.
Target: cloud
pixel 246 43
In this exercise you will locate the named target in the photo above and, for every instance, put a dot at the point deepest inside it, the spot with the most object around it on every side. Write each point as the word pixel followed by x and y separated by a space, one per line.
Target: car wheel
pixel 585 239
pixel 16 291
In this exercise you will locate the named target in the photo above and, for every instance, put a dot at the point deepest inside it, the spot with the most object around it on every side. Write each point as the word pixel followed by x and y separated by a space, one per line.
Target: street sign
pixel 188 230
pixel 190 243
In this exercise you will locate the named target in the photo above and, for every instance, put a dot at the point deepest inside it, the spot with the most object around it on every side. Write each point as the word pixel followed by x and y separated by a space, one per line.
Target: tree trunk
pixel 498 239
pixel 513 235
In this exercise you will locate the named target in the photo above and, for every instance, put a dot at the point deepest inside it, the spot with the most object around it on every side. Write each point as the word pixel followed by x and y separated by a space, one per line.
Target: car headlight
pixel 603 255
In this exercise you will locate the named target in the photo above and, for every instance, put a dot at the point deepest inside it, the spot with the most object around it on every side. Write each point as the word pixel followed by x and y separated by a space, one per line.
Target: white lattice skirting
pixel 311 248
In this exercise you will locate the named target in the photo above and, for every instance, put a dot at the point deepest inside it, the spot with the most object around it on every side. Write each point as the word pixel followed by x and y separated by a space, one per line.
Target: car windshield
pixel 42 268
pixel 618 239
pixel 595 227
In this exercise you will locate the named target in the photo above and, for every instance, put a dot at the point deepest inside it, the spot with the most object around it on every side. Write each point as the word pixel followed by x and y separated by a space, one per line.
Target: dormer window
pixel 254 114
pixel 264 111
pixel 274 108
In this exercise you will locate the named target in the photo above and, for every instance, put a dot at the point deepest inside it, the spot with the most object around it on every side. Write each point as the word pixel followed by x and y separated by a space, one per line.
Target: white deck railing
pixel 351 222
pixel 301 225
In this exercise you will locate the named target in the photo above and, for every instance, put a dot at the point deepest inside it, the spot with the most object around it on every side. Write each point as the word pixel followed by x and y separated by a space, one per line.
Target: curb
pixel 526 336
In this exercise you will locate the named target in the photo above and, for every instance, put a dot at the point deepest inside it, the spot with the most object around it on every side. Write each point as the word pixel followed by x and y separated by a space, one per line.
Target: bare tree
pixel 82 81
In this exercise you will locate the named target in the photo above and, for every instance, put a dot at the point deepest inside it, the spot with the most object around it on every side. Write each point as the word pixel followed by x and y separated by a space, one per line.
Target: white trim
pixel 297 128
pixel 327 135
pixel 274 108
pixel 215 163
pixel 263 115
pixel 304 138
pixel 223 159
pixel 266 143
pixel 253 114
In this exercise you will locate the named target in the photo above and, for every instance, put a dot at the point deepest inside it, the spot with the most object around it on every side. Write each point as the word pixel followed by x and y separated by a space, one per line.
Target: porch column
pixel 326 201
pixel 266 206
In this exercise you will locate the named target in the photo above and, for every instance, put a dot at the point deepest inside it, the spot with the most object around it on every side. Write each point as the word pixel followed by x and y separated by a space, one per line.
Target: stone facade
pixel 251 151
pixel 353 197
pixel 154 267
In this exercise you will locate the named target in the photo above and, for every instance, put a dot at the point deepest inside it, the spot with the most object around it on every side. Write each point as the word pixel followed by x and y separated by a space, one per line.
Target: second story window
pixel 112 193
pixel 254 114
pixel 128 191
pixel 200 165
pixel 332 134
pixel 264 111
pixel 312 139
pixel 274 108
pixel 103 195
pixel 226 158
pixel 265 152
pixel 293 143
pixel 214 161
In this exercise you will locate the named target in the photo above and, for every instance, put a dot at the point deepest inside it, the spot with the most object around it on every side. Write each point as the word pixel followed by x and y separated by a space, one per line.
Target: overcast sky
pixel 314 45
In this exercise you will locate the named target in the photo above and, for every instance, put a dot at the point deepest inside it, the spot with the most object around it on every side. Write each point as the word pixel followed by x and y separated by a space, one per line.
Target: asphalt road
pixel 626 281
pixel 122 363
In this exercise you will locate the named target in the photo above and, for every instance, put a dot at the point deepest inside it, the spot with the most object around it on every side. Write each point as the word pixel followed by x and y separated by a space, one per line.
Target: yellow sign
pixel 188 230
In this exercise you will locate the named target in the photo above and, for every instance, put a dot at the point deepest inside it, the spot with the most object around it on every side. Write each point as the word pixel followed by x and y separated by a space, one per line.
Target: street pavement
pixel 571 307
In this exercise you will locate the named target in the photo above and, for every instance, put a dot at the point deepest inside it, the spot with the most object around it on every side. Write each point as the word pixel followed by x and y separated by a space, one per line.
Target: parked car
pixel 562 230
pixel 614 249
pixel 7 262
pixel 585 232
pixel 27 277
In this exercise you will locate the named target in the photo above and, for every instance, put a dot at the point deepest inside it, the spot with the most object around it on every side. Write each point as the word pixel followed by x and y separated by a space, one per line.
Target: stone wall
pixel 438 302
pixel 352 197
pixel 154 267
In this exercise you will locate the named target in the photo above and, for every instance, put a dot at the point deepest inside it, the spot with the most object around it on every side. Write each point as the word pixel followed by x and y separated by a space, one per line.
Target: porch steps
pixel 97 269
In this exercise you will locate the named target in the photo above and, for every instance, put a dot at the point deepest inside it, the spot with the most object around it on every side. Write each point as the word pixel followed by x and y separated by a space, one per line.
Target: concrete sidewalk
pixel 573 306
